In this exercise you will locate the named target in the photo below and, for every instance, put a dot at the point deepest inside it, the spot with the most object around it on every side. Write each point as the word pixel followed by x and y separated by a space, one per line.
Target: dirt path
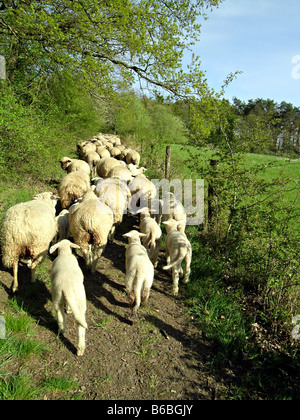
pixel 159 357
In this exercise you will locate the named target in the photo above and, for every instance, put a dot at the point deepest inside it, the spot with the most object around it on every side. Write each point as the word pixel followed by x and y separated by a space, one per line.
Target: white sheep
pixel 178 248
pixel 26 232
pixel 62 226
pixel 135 170
pixel 105 165
pixel 124 152
pixel 91 223
pixel 114 193
pixel 133 157
pixel 92 159
pixel 103 152
pixel 121 147
pixel 173 209
pixel 153 233
pixel 86 148
pixel 139 271
pixel 142 191
pixel 73 186
pixel 73 165
pixel 120 172
pixel 115 152
pixel 67 290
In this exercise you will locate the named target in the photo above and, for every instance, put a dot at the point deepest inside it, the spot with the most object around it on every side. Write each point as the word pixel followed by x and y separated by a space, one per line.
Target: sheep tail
pixel 76 312
pixel 178 259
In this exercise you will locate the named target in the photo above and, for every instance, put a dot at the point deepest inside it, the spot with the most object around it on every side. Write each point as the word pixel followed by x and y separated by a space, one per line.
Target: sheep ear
pixel 74 246
pixel 54 248
pixel 127 235
pixel 166 223
pixel 142 210
pixel 142 235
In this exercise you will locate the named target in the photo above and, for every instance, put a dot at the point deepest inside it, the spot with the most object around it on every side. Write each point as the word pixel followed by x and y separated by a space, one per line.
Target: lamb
pixel 153 233
pixel 91 223
pixel 73 186
pixel 105 165
pixel 133 157
pixel 139 271
pixel 27 230
pixel 73 165
pixel 173 209
pixel 67 289
pixel 136 171
pixel 178 248
pixel 114 193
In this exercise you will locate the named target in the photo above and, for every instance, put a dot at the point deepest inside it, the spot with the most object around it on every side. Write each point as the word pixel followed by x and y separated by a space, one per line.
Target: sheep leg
pixel 94 265
pixel 111 235
pixel 136 304
pixel 15 284
pixel 68 310
pixel 156 252
pixel 34 263
pixel 95 257
pixel 188 260
pixel 81 340
pixel 168 257
pixel 145 296
pixel 131 298
pixel 86 256
pixel 129 282
pixel 175 275
pixel 32 275
pixel 61 318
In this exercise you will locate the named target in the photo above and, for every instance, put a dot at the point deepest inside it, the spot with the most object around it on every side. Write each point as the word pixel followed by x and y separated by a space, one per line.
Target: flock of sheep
pixel 91 209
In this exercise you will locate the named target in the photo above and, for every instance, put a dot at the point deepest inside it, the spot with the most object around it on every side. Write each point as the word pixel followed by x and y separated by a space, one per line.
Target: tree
pixel 107 41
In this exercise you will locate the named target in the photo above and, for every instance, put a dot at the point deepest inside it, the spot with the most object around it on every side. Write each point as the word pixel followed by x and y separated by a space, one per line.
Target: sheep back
pixel 90 223
pixel 105 165
pixel 27 230
pixel 72 187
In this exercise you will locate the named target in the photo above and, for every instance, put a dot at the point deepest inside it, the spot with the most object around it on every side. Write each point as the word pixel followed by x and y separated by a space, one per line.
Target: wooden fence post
pixel 211 192
pixel 168 162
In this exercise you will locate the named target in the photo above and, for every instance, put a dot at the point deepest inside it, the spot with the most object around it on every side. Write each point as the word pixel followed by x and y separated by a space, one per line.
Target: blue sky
pixel 258 37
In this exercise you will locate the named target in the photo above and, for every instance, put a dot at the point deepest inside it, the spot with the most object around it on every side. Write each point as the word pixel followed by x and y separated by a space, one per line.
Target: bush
pixel 34 135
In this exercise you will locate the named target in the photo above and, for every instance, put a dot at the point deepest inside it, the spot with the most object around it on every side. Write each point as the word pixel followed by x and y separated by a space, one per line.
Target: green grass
pixel 18 346
pixel 215 307
pixel 19 387
pixel 20 330
pixel 61 383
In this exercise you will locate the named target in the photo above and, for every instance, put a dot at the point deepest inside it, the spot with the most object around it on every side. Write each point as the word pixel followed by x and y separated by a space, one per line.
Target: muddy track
pixel 161 356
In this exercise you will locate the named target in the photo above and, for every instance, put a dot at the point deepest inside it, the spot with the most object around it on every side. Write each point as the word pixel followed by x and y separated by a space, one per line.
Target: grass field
pixel 271 168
